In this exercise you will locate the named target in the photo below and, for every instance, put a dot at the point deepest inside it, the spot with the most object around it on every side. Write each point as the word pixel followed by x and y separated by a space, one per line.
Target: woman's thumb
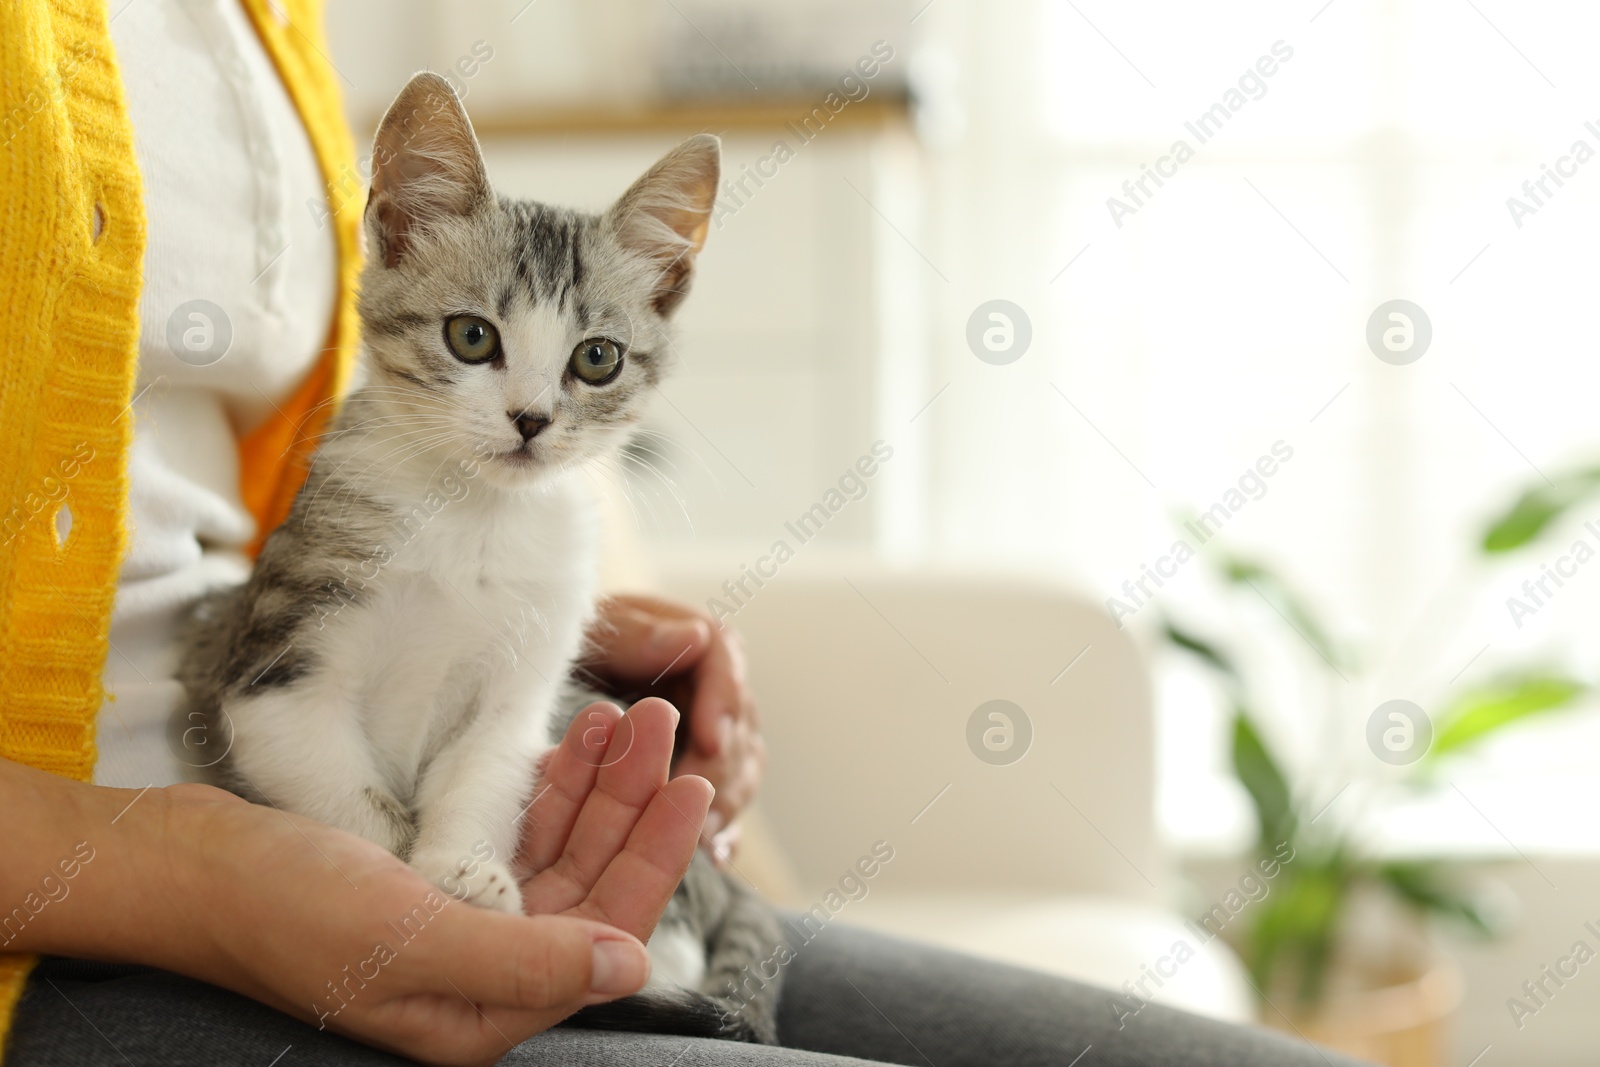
pixel 546 962
pixel 616 968
pixel 640 646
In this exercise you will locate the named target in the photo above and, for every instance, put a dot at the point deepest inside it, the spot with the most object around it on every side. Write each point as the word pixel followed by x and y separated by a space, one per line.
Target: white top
pixel 233 198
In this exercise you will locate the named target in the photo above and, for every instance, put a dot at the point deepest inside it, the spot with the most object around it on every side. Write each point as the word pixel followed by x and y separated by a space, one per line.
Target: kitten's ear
pixel 666 214
pixel 426 166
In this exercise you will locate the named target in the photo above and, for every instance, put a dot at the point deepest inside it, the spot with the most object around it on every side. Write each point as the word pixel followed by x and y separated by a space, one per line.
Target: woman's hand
pixel 607 837
pixel 678 652
pixel 334 930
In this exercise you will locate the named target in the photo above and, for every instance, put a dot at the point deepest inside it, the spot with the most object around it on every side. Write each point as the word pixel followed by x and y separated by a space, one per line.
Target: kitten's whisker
pixel 408 446
pixel 364 394
pixel 618 483
pixel 643 462
pixel 370 428
pixel 419 449
pixel 653 491
pixel 414 446
pixel 349 484
pixel 385 419
pixel 650 459
pixel 685 446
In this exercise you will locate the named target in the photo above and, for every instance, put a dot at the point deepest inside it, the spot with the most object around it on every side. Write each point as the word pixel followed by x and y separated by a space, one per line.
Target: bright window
pixel 1228 313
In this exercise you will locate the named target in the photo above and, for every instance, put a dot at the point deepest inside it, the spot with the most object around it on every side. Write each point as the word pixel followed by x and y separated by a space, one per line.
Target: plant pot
pixel 1393 1018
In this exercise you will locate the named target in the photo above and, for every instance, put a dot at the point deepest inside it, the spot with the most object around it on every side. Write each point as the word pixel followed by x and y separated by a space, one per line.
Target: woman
pixel 178 258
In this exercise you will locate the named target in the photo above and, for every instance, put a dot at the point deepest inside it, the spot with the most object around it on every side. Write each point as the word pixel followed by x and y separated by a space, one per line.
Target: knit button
pixel 97 222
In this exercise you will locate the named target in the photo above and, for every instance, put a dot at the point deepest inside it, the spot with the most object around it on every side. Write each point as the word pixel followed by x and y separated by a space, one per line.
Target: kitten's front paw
pixel 485 884
pixel 384 820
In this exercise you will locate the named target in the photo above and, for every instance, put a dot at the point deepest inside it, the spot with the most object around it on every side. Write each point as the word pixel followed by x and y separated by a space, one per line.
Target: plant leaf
pixel 1296 926
pixel 1537 508
pixel 1270 937
pixel 1264 781
pixel 1426 885
pixel 1288 604
pixel 1199 646
pixel 1489 708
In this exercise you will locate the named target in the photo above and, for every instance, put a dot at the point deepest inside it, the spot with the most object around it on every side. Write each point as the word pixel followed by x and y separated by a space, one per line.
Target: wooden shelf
pixel 732 117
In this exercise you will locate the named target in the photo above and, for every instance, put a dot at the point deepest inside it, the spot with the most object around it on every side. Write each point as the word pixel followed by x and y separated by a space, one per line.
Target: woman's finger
pixel 634 888
pixel 623 789
pixel 737 774
pixel 720 696
pixel 568 778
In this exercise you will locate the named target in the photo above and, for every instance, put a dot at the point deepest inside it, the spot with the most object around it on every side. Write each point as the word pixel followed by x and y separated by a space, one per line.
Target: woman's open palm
pixel 335 930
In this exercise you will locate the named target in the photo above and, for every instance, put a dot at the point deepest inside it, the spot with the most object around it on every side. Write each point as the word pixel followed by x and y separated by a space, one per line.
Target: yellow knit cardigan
pixel 72 234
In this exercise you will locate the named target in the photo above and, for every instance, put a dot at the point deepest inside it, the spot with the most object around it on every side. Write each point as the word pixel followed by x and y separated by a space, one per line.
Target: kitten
pixel 392 666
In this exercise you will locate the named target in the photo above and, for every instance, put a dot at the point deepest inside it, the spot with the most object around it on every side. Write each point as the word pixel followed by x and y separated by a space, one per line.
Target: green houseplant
pixel 1293 937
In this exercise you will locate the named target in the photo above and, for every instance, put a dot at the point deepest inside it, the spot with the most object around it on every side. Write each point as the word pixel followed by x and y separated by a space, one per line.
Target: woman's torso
pixel 239 292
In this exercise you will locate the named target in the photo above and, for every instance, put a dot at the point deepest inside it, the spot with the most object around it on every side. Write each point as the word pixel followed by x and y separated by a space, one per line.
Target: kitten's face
pixel 527 332
pixel 528 335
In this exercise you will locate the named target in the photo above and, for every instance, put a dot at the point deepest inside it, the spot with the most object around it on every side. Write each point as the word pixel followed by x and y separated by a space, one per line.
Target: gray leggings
pixel 849 998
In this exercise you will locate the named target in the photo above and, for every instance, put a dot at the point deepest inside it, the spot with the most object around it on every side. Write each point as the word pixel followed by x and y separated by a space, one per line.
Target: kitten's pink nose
pixel 528 425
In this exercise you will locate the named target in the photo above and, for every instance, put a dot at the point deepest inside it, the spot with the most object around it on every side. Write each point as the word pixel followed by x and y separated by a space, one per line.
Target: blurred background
pixel 1104 280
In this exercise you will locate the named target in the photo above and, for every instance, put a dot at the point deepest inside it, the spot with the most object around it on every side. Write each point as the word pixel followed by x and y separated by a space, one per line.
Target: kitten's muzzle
pixel 528 425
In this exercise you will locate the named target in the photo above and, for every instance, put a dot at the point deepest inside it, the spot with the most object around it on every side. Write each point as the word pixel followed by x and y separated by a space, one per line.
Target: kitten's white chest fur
pixel 434 686
pixel 488 601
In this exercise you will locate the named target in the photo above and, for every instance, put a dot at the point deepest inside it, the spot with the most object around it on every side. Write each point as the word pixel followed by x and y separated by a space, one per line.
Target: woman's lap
pixel 893 1001
pixel 849 997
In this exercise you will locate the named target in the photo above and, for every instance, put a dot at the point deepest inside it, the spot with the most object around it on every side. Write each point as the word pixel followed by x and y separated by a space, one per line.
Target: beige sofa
pixel 869 680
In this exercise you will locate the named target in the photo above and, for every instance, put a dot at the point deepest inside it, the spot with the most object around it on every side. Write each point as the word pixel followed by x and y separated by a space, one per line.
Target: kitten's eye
pixel 472 339
pixel 597 360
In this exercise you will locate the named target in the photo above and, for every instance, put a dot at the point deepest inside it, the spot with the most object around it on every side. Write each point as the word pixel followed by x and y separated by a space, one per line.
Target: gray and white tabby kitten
pixel 393 666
